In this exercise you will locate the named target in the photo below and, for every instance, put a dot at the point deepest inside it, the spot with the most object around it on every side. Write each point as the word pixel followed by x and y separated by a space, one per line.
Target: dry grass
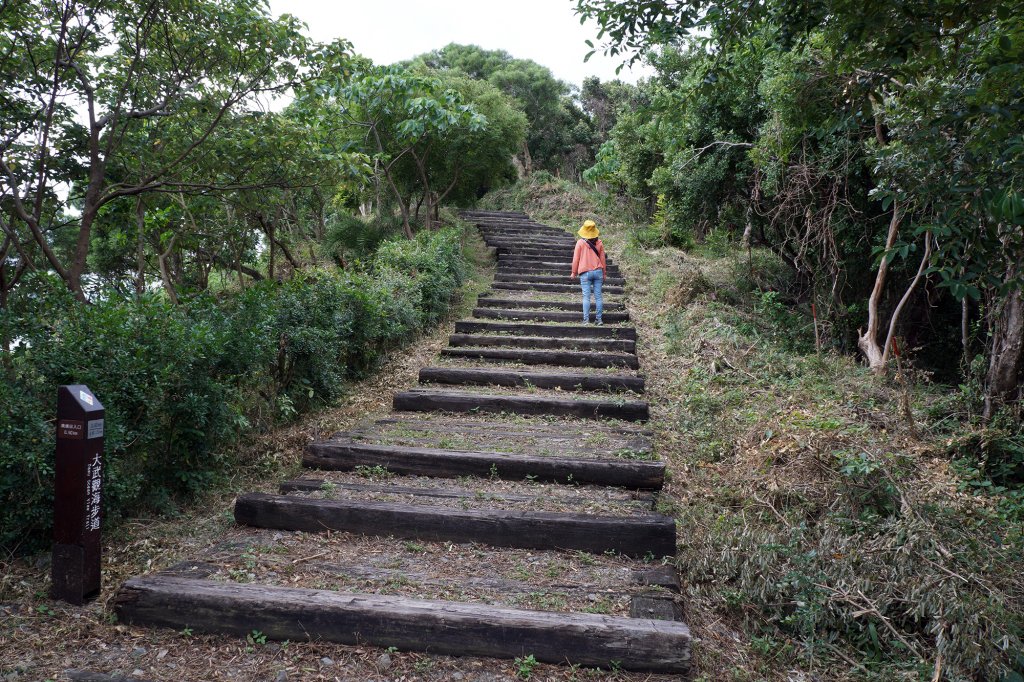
pixel 826 538
pixel 40 639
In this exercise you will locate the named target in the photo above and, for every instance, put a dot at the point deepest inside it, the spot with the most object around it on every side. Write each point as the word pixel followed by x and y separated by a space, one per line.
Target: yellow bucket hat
pixel 589 230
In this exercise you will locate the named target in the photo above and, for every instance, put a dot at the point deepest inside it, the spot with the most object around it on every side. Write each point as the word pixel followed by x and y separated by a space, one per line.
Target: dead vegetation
pixel 827 536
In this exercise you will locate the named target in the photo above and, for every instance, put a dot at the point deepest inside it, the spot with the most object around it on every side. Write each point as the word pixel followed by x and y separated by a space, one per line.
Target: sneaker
pixel 599 323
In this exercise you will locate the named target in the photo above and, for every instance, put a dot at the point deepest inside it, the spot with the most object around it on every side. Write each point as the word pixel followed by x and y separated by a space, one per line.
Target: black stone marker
pixel 79 488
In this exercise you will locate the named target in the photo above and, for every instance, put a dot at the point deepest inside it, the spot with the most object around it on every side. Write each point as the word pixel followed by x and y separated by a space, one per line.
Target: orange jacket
pixel 584 259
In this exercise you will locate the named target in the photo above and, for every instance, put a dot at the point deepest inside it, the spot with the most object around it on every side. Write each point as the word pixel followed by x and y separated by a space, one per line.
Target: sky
pixel 388 31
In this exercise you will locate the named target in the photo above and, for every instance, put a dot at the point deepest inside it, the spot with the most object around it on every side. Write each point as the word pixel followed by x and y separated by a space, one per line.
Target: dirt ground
pixel 42 639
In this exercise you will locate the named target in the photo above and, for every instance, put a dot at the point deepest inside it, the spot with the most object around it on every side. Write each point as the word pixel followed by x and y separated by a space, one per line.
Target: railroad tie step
pixel 551 279
pixel 580 330
pixel 636 535
pixel 346 455
pixel 530 268
pixel 543 286
pixel 512 245
pixel 547 342
pixel 545 357
pixel 443 627
pixel 423 400
pixel 510 303
pixel 545 315
pixel 569 381
pixel 644 499
pixel 529 433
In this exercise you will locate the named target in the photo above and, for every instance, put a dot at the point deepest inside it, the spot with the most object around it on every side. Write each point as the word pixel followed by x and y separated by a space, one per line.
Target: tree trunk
pixel 527 159
pixel 1002 381
pixel 868 341
pixel 165 273
pixel 965 339
pixel 140 248
pixel 269 229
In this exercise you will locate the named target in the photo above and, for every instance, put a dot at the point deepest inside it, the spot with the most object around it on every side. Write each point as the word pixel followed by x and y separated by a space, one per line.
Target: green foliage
pixel 812 129
pixel 524 666
pixel 183 383
pixel 559 133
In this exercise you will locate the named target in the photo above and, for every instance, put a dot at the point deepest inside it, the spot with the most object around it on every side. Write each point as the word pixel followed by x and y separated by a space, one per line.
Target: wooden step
pixel 547 315
pixel 541 286
pixel 528 243
pixel 637 536
pixel 535 251
pixel 319 485
pixel 423 400
pixel 549 342
pixel 553 279
pixel 476 213
pixel 530 268
pixel 568 381
pixel 529 229
pixel 580 330
pixel 530 264
pixel 343 455
pixel 545 357
pixel 565 265
pixel 441 627
pixel 510 303
pixel 526 236
pixel 515 427
pixel 635 437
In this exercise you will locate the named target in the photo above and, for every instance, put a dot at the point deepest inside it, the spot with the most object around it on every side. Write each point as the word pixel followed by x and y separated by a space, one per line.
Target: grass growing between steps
pixel 41 638
pixel 826 536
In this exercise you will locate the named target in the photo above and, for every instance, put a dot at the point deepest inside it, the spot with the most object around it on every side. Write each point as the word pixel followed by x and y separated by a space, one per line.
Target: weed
pixel 525 666
pixel 638 455
pixel 585 558
pixel 374 473
pixel 602 606
pixel 411 546
pixel 255 638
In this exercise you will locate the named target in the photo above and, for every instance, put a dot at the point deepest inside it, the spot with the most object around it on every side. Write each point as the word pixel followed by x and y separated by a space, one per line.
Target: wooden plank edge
pixel 636 536
pixel 434 626
pixel 335 456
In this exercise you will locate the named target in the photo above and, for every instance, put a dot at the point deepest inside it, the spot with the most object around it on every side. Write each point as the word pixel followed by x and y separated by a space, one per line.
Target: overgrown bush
pixel 183 383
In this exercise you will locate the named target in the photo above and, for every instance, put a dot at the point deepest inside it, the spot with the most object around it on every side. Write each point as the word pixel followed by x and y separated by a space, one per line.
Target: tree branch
pixel 906 296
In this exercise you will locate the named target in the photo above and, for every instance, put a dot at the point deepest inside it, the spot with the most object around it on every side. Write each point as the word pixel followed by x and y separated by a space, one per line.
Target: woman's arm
pixel 576 258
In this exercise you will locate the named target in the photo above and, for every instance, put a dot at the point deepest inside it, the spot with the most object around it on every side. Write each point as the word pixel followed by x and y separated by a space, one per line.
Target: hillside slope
pixel 835 524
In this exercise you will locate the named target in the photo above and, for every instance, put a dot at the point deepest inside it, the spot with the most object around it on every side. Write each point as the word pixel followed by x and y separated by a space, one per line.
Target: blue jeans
pixel 592 278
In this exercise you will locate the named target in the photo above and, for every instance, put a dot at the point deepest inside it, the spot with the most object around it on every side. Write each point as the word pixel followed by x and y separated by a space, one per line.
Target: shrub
pixel 183 383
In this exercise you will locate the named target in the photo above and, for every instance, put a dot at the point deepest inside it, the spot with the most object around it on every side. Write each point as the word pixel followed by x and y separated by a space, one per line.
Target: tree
pixel 170 73
pixel 543 98
pixel 403 118
pixel 890 124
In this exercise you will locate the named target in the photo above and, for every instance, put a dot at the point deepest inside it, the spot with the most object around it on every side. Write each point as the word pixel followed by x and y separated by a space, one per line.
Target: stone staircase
pixel 506 508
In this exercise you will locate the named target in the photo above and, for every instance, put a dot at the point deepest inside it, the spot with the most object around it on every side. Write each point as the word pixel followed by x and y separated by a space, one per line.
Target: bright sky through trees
pixel 546 31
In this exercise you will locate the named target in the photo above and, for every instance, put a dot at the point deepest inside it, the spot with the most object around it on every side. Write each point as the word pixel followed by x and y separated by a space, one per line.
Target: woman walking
pixel 590 265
